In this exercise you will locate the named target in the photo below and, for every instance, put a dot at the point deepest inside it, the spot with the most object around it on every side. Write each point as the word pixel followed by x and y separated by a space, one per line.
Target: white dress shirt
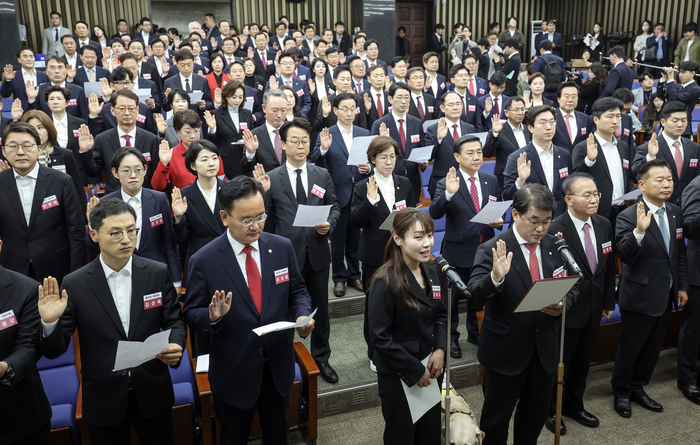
pixel 146 36
pixel 398 125
pixel 209 196
pixel 672 149
pixel 519 134
pixel 465 182
pixel 120 286
pixel 72 61
pixel 25 187
pixel 654 209
pixel 373 94
pixel 292 172
pixel 184 85
pixel 61 130
pixel 450 129
pixel 241 256
pixel 578 224
pixel 122 139
pixel 547 161
pixel 612 157
pixel 235 117
pixel 271 134
pixel 27 77
pixel 137 203
pixel 434 85
pixel 526 254
pixel 572 122
pixel 320 88
pixel 387 189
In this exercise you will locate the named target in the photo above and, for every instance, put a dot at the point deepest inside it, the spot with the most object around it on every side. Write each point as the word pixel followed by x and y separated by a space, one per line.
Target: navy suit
pixel 427 103
pixel 481 87
pixel 76 106
pixel 484 123
pixel 689 95
pixel 443 153
pixel 562 169
pixel 17 88
pixel 267 70
pixel 501 146
pixel 584 125
pixel 81 77
pixel 106 120
pixel 303 73
pixel 366 86
pixel 301 88
pixel 441 86
pixel 538 67
pixel 621 76
pixel 198 83
pixel 689 336
pixel 139 37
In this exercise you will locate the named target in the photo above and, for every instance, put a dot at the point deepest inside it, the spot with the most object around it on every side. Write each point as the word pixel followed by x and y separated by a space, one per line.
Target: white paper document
pixel 195 96
pixel 420 154
pixel 421 400
pixel 481 136
pixel 248 105
pixel 358 152
pixel 546 292
pixel 143 94
pixel 388 223
pixel 311 216
pixel 631 195
pixel 202 364
pixel 92 87
pixel 493 211
pixel 131 354
pixel 282 325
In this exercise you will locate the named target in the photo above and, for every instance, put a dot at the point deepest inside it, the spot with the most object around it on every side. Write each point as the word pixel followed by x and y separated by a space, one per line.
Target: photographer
pixel 660 44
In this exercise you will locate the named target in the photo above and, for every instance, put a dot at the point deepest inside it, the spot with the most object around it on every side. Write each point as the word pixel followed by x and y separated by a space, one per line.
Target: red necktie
pixel 420 108
pixel 262 57
pixel 359 87
pixel 475 200
pixel 495 106
pixel 402 135
pixel 568 126
pixel 82 44
pixel 534 265
pixel 678 158
pixel 128 140
pixel 254 281
pixel 455 134
pixel 472 89
pixel 380 107
pixel 230 60
pixel 278 146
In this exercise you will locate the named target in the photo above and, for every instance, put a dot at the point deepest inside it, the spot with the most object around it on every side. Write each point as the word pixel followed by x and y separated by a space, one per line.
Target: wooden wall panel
pixel 324 13
pixel 35 14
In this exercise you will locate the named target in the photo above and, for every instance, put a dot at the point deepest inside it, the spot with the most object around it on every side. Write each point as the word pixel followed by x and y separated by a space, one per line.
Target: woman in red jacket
pixel 217 78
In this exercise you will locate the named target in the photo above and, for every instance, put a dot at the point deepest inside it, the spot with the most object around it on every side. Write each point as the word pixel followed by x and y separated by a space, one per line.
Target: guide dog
pixel 463 427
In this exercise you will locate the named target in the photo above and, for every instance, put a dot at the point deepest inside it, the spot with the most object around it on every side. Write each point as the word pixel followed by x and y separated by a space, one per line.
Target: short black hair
pixel 569 84
pixel 186 117
pixel 183 54
pixel 124 93
pixel 144 20
pixel 375 68
pixel 80 22
pixel 624 94
pixel 689 65
pixel 280 23
pixel 120 73
pixel 455 69
pixel 123 152
pixel 157 40
pixel 133 42
pixel 465 139
pixel 54 13
pixel 642 77
pixel 546 45
pixel 89 48
pixel 692 26
pixel 513 43
pixel 240 187
pixel 339 23
pixel 319 42
pixel 297 122
pixel 21 127
pixel 402 28
pixel 669 108
pixel 398 86
pixel 604 104
pixel 398 59
pixel 339 70
pixel 193 152
pixel 618 51
pixel 23 49
pixel 535 111
pixel 180 92
pixel 509 103
pixel 358 36
pixel 643 171
pixel 107 208
pixel 570 182
pixel 341 97
pixel 498 79
pixel 68 36
pixel 439 26
pixel 538 196
pixel 369 42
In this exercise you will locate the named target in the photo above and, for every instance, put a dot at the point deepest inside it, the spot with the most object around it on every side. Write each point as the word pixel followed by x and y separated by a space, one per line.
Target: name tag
pixel 306 59
pixel 72 102
pixel 558 273
pixel 153 300
pixel 400 205
pixel 442 85
pixel 583 132
pixel 244 125
pixel 7 319
pixel 492 198
pixel 330 91
pixel 357 110
pixel 205 48
pixel 141 118
pixel 146 76
pixel 693 163
pixel 49 202
pixel 76 133
pixel 249 99
pixel 147 156
pixel 431 109
pixel 281 276
pixel 626 164
pixel 300 93
pixel 318 191
pixel 437 293
pixel 482 91
pixel 269 62
pixel 472 108
pixel 61 168
pixel 156 220
pixel 607 247
pixel 302 77
pixel 415 139
pixel 223 84
pixel 260 87
pixel 679 233
pixel 626 132
pixel 563 172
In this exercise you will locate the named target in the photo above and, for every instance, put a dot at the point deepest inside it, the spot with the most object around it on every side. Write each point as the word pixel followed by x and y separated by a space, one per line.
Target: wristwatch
pixel 9 374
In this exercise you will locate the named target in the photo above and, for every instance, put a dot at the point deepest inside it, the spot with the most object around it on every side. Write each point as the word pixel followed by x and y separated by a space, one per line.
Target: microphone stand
pixel 650 66
pixel 560 377
pixel 448 360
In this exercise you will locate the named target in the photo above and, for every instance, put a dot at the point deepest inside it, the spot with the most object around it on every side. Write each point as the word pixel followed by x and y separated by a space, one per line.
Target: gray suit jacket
pixel 639 98
pixel 50 46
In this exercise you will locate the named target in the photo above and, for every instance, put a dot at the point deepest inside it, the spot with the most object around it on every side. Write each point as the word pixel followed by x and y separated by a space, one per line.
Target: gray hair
pixel 193 23
pixel 273 93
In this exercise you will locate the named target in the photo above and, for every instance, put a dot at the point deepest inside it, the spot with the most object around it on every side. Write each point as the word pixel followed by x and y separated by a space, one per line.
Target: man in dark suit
pixel 505 138
pixel 573 127
pixel 519 351
pixel 161 60
pixel 511 67
pixel 460 196
pixel 331 152
pixel 286 77
pixel 590 239
pixel 124 107
pixel 681 153
pixel 243 280
pixel 146 35
pixel 376 94
pixel 442 136
pixel 277 40
pixel 71 56
pixel 649 238
pixel 264 59
pixel 342 38
pixel 476 85
pixel 359 73
pixel 407 131
pixel 606 159
pixel 540 65
pixel 56 70
pixel 436 43
pixel 662 46
pixel 300 183
pixel 115 298
pixel 28 417
pixel 82 32
pixel 686 90
pixel 492 104
pixel 372 51
pixel 423 105
pixel 435 83
pixel 89 71
pixel 459 77
pixel 263 144
pixel 553 36
pixel 689 337
pixel 15 82
pixel 129 61
pixel 325 118
pixel 188 81
pixel 620 76
pixel 41 222
pixel 540 161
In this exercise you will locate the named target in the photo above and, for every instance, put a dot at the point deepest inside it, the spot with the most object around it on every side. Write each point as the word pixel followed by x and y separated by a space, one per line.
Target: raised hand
pixel 4 165
pixel 488 105
pixel 453 52
pixel 527 98
pixel 384 130
pixel 496 124
pixel 501 261
pixel 165 153
pixel 251 53
pixel 326 106
pixel 262 177
pixel 523 169
pixel 343 58
pixel 592 148
pixel 149 51
pixel 368 102
pixel 107 52
pixel 210 120
pixel 165 66
pixel 372 188
pixel 85 139
pixel 326 139
pixel 105 88
pixel 387 83
pixel 653 146
pixel 217 96
pixel 452 181
pixel 214 42
pixel 9 72
pixel 177 41
pixel 106 62
pixel 167 92
pixel 150 102
pixel 273 83
pixel 200 73
pixel 442 129
pixel 70 72
pixel 643 218
pixel 220 305
pixel 32 91
pixel 94 105
pixel 160 123
pixel 51 303
pixel 94 200
pixel 250 141
pixel 428 82
pixel 312 86
pixel 179 204
pixel 17 110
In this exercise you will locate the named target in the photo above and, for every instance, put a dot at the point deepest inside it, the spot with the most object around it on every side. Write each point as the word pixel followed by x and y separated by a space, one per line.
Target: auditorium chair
pixel 439 234
pixel 7 107
pixel 424 182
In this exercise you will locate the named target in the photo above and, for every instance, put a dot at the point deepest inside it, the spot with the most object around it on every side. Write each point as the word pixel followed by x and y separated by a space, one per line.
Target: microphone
pixel 451 275
pixel 563 250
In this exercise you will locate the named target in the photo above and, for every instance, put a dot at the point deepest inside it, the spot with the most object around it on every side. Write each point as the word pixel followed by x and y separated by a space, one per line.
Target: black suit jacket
pixel 64 161
pixel 106 120
pixel 154 86
pixel 77 105
pixel 83 160
pixel 430 109
pixel 265 154
pixel 281 205
pixel 264 71
pixel 511 68
pixel 596 290
pixel 54 240
pixel 691 226
pixel 92 311
pixel 373 113
pixel 502 146
pixel 689 95
pixel 601 172
pixel 28 407
pixel 369 217
pixel 315 101
pixel 437 45
pixel 584 124
pixel 621 76
pixel 226 137
pixel 199 83
pixel 443 154
pixel 330 120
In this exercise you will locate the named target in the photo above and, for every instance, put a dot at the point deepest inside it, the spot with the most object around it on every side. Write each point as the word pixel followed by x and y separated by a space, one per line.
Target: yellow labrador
pixel 463 427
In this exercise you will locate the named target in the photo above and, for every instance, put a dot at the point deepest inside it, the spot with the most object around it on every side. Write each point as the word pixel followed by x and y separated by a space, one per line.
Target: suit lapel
pixel 287 183
pixel 520 264
pixel 603 161
pixel 227 119
pixel 573 239
pixel 655 231
pixel 536 164
pixel 98 283
pixel 600 238
pixel 202 207
pixel 43 182
pixel 147 210
pixel 269 145
pixel 139 280
pixel 230 263
pixel 10 185
pixel 267 256
pixel 337 136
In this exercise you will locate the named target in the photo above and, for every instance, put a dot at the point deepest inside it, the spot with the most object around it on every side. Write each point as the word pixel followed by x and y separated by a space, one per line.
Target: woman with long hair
pixel 407 327
pixel 597 41
pixel 640 43
pixel 597 75
pixel 292 103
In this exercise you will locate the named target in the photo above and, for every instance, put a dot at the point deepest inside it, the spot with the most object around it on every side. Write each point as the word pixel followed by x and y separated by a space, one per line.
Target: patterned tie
pixel 262 57
pixel 588 246
pixel 92 75
pixel 475 199
pixel 534 265
pixel 127 138
pixel 230 60
pixel 472 88
pixel 380 106
pixel 568 127
pixel 663 227
pixel 678 158
pixel 278 146
pixel 402 135
pixel 455 133
pixel 301 194
pixel 420 108
pixel 254 281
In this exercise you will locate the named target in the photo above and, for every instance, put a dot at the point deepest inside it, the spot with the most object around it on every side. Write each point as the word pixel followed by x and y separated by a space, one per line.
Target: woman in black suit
pixel 407 326
pixel 251 79
pixel 597 42
pixel 590 90
pixel 231 119
pixel 319 87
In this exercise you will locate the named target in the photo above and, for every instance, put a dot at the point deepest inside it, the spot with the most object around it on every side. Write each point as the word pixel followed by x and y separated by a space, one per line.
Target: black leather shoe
pixel 623 407
pixel 551 423
pixel 455 350
pixel 327 373
pixel 640 397
pixel 691 392
pixel 583 417
pixel 339 289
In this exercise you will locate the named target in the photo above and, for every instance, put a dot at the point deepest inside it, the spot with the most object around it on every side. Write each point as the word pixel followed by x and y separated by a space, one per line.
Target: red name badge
pixel 679 233
pixel 156 220
pixel 693 163
pixel 76 133
pixel 558 273
pixel 300 93
pixel 147 156
pixel 72 103
pixel 61 168
pixel 141 118
pixel 472 108
pixel 357 110
pixel 318 191
pixel 147 76
pixel 492 198
pixel 49 202
pixel 415 139
pixel 260 87
pixel 306 59
pixel 626 164
pixel 437 293
pixel 7 319
pixel 583 132
pixel 281 276
pixel 482 91
pixel 442 86
pixel 249 99
pixel 302 77
pixel 431 109
pixel 153 300
pixel 626 132
pixel 330 91
pixel 400 205
pixel 607 247
pixel 563 172
pixel 269 62
pixel 244 125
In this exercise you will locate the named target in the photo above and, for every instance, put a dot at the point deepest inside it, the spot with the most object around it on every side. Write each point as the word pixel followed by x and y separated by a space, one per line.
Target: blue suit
pixel 621 76
pixel 81 76
pixel 442 86
pixel 303 73
pixel 562 169
pixel 443 154
pixel 481 88
pixel 484 123
pixel 301 88
pixel 366 86
pixel 18 89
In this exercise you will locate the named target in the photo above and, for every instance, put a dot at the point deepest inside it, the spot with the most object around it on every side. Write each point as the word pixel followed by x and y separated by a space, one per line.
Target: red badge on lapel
pixel 437 293
pixel 563 172
pixel 400 205
pixel 318 191
pixel 679 233
pixel 49 202
pixel 607 247
pixel 281 276
pixel 156 220
pixel 7 319
pixel 558 273
pixel 153 300
pixel 626 164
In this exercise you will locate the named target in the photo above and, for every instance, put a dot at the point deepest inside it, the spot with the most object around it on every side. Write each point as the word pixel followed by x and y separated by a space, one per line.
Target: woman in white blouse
pixel 640 43
pixel 319 87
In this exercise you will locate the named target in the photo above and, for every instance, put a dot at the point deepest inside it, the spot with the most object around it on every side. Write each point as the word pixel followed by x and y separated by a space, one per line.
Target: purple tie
pixel 590 249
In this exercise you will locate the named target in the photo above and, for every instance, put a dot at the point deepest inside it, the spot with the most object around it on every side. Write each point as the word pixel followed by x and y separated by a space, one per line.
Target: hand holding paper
pixel 131 354
pixel 311 216
pixel 302 322
pixel 493 211
pixel 358 152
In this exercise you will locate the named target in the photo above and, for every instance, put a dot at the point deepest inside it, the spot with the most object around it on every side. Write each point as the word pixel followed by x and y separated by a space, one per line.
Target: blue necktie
pixel 664 229
pixel 659 49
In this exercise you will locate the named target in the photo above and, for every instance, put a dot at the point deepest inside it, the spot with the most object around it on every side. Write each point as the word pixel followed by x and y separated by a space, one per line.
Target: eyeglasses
pixel 117 236
pixel 533 224
pixel 129 172
pixel 287 63
pixel 401 98
pixel 454 105
pixel 297 143
pixel 347 110
pixel 275 111
pixel 249 221
pixel 125 109
pixel 589 196
pixel 122 83
pixel 27 147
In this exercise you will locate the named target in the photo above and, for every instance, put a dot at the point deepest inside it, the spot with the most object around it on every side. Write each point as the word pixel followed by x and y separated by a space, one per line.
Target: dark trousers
pixel 273 412
pixel 317 284
pixel 158 430
pixel 530 389
pixel 399 428
pixel 345 242
pixel 689 339
pixel 472 322
pixel 39 437
pixel 578 350
pixel 638 347
pixel 367 272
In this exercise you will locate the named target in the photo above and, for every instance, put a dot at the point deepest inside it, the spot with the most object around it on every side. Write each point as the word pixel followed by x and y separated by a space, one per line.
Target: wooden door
pixel 413 17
